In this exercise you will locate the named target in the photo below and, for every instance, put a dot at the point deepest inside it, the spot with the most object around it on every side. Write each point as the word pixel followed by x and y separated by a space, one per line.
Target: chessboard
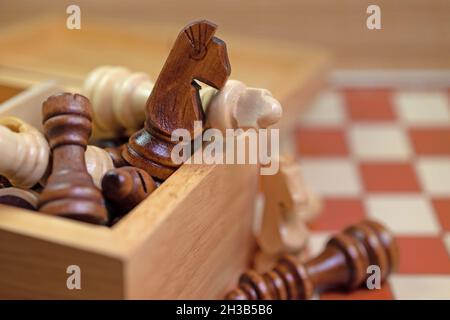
pixel 384 154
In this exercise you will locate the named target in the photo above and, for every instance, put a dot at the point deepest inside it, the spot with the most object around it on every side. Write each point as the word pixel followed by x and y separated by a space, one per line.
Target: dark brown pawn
pixel 70 191
pixel 175 101
pixel 126 187
pixel 116 155
pixel 341 266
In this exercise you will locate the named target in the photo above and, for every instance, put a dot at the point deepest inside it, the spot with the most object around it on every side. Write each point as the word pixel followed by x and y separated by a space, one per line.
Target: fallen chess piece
pixel 70 191
pixel 27 199
pixel 342 265
pixel 238 106
pixel 26 154
pixel 174 102
pixel 125 188
pixel 118 98
pixel 288 205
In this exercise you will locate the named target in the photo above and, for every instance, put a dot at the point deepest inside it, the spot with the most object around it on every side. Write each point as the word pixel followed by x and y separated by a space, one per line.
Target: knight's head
pixel 208 54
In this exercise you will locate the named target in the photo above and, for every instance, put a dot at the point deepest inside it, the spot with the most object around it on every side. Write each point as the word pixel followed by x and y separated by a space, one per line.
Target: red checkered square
pixel 389 177
pixel 338 213
pixel 428 141
pixel 442 209
pixel 321 142
pixel 369 105
pixel 426 255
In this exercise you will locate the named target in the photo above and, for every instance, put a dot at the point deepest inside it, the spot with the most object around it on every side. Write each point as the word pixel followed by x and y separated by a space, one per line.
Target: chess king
pixel 175 101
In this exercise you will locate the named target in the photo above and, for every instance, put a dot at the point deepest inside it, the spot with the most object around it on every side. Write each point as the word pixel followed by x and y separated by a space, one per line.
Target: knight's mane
pixel 200 34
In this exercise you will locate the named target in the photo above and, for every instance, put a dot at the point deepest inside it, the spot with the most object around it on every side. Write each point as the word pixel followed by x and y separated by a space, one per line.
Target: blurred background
pixel 415 33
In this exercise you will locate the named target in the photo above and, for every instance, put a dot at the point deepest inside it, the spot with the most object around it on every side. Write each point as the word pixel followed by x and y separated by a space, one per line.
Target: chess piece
pixel 175 102
pixel 118 98
pixel 238 106
pixel 342 265
pixel 70 191
pixel 287 206
pixel 115 153
pixel 126 187
pixel 25 152
pixel 27 199
pixel 98 162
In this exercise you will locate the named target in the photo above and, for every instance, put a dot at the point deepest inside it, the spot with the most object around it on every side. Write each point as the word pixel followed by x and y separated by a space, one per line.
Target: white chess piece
pixel 288 204
pixel 238 106
pixel 118 98
pixel 25 152
pixel 25 155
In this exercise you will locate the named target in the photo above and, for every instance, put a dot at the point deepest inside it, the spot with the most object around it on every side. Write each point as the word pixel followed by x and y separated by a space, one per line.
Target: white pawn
pixel 98 162
pixel 118 98
pixel 25 155
pixel 239 106
pixel 25 152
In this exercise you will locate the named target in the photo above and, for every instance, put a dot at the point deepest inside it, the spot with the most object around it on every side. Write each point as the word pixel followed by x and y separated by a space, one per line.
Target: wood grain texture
pixel 207 241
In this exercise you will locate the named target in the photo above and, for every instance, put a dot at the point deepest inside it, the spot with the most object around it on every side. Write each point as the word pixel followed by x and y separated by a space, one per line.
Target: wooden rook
pixel 16 197
pixel 175 102
pixel 342 265
pixel 70 191
pixel 126 187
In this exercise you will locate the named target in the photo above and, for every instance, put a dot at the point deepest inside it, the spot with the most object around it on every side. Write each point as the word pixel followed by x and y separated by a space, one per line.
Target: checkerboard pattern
pixel 384 154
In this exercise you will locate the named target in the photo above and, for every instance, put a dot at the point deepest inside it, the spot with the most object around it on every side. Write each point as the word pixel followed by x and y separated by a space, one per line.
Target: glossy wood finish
pixel 70 191
pixel 342 265
pixel 115 153
pixel 125 188
pixel 175 101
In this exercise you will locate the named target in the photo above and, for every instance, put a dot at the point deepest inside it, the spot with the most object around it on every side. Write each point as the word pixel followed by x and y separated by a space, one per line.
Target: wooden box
pixel 189 239
pixel 193 236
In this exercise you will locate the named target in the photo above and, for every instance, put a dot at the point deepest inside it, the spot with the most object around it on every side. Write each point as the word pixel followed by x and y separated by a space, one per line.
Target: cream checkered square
pixel 415 287
pixel 434 173
pixel 332 176
pixel 407 214
pixel 379 142
pixel 326 109
pixel 422 108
